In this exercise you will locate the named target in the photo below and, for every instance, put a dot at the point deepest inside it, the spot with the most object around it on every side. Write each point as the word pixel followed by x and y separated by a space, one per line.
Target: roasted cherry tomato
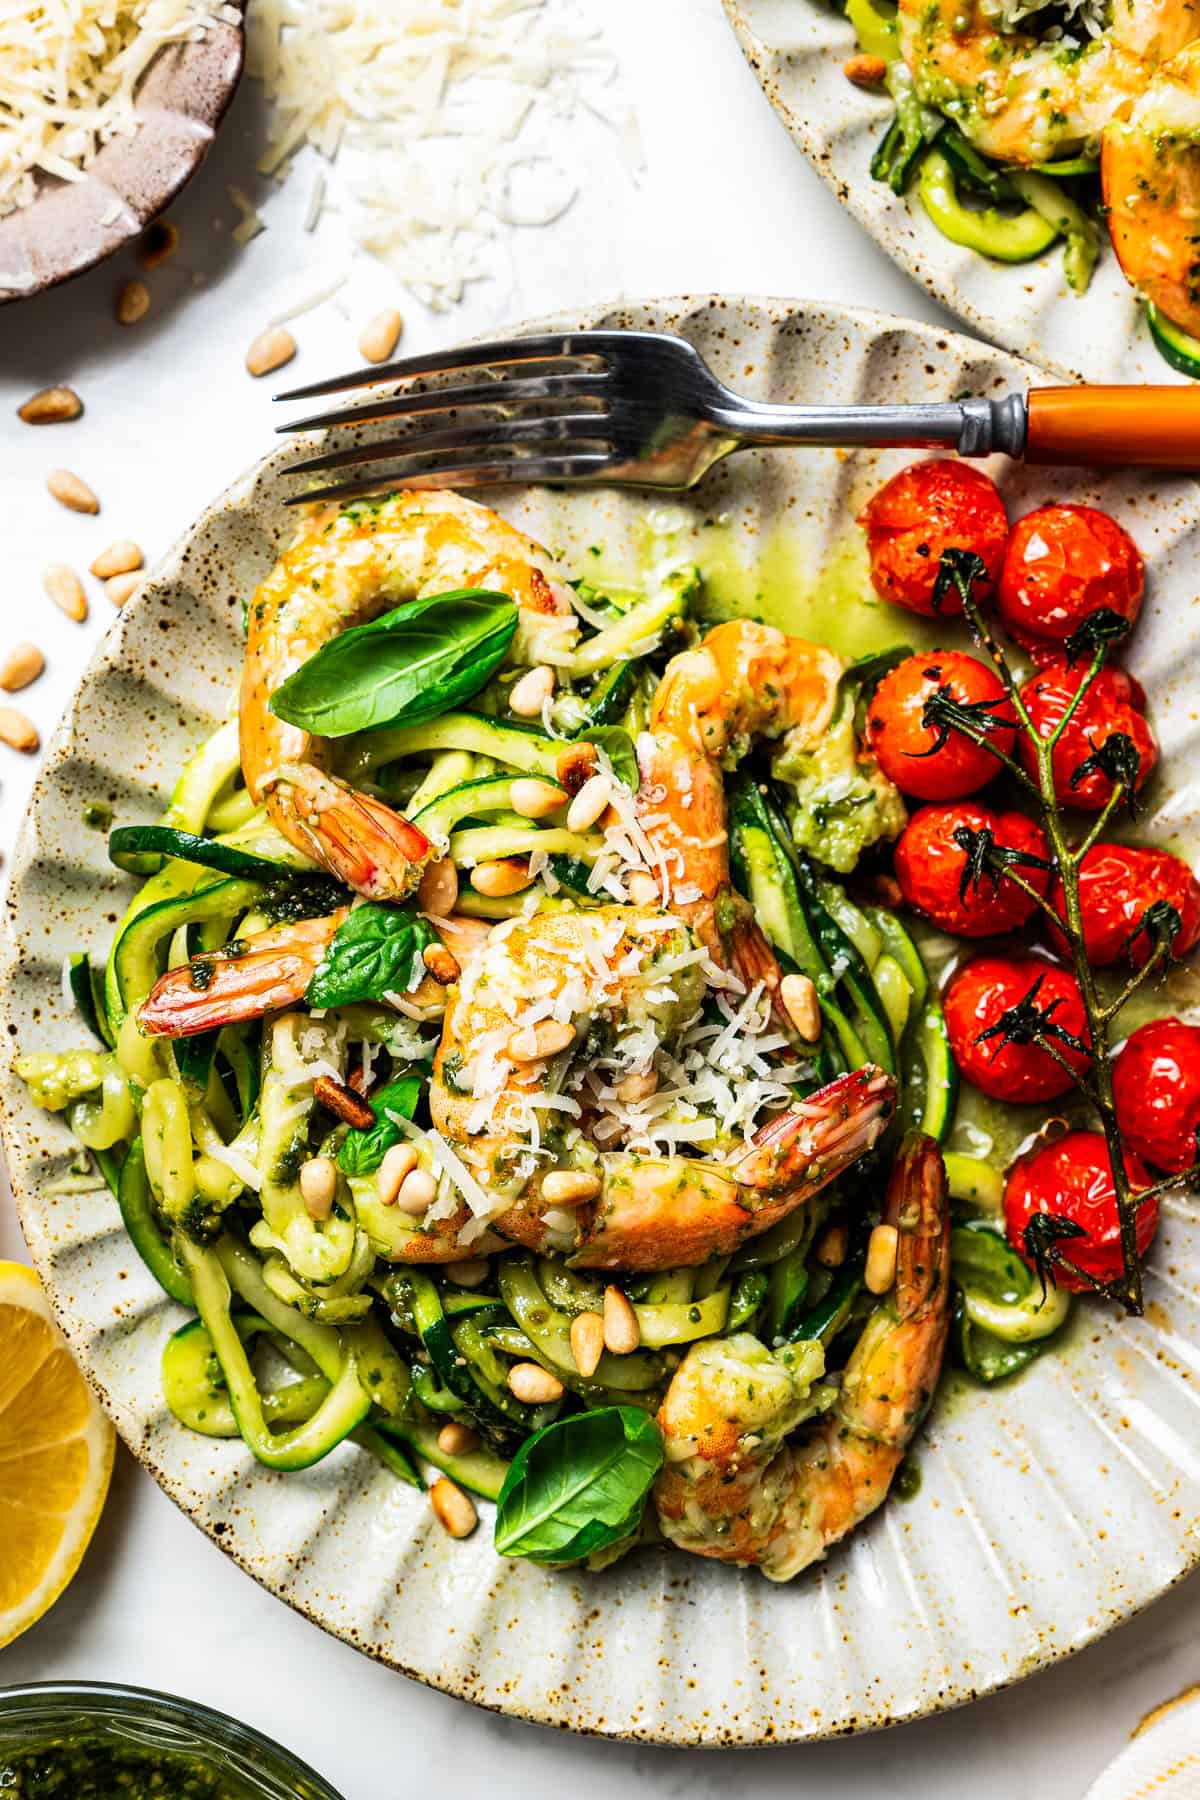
pixel 1113 704
pixel 930 864
pixel 925 509
pixel 988 986
pixel 1156 1084
pixel 1072 1179
pixel 919 751
pixel 1062 563
pixel 1116 886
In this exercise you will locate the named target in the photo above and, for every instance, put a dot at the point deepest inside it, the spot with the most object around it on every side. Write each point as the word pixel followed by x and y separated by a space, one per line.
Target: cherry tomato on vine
pixel 1156 1085
pixel 989 986
pixel 1112 705
pixel 925 509
pixel 1062 563
pixel 1116 887
pixel 916 747
pixel 930 864
pixel 1072 1179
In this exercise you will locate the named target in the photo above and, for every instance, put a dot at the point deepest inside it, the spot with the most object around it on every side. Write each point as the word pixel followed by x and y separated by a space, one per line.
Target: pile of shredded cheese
pixel 452 114
pixel 69 71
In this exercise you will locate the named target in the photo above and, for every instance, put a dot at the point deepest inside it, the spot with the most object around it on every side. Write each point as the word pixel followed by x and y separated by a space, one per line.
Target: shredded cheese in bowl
pixel 69 71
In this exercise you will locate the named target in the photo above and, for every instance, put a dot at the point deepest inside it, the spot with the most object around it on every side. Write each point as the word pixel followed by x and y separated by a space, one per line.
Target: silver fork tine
pixel 547 348
pixel 470 475
pixel 490 393
pixel 552 431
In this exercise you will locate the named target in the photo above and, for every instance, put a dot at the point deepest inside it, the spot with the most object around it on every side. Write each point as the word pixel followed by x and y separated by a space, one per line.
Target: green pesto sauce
pixel 99 1768
pixel 907 1482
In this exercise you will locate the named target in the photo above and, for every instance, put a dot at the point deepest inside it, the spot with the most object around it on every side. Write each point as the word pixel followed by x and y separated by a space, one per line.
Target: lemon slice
pixel 56 1455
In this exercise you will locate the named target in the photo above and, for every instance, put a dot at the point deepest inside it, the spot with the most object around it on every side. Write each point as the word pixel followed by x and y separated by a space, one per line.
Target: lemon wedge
pixel 56 1455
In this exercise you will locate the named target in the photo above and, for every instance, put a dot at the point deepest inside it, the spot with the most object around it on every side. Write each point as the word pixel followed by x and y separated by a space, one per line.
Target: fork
pixel 643 409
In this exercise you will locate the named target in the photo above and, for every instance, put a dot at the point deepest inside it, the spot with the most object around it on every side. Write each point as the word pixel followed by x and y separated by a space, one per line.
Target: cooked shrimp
pixel 742 682
pixel 1150 168
pixel 267 972
pixel 732 1487
pixel 616 982
pixel 373 555
pixel 1027 100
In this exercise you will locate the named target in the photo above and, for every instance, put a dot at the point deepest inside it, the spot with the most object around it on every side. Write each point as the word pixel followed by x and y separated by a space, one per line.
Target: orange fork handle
pixel 1146 427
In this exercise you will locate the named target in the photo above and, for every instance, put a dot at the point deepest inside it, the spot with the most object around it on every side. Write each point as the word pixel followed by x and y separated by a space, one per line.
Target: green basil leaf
pixel 617 745
pixel 376 951
pixel 362 1152
pixel 412 663
pixel 579 1485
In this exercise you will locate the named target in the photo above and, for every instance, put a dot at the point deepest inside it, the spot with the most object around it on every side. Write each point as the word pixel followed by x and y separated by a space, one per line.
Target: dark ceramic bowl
pixel 69 226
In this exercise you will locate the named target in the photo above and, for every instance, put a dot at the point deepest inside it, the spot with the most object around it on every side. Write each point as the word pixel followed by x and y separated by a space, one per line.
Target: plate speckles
pixel 979 1580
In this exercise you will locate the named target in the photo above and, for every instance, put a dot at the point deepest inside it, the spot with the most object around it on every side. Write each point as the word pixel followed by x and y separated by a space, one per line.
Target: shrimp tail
pixel 819 1137
pixel 357 838
pixel 233 985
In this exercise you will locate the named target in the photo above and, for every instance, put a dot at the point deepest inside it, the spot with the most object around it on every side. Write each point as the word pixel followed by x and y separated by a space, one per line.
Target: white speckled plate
pixel 1018 1547
pixel 796 49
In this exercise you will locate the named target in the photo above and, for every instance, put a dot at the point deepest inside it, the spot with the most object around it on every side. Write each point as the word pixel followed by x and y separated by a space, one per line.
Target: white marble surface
pixel 723 202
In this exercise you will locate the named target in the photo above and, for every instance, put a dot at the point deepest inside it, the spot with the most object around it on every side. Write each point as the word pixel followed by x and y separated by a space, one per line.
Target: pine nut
pixel 569 1187
pixel 622 1333
pixel 591 800
pixel 575 766
pixel 497 880
pixel 120 558
pixel 51 406
pixel 318 1186
pixel 864 71
pixel 455 1511
pixel 832 1246
pixel 535 799
pixel 17 730
pixel 441 963
pixel 66 590
pixel 417 1193
pixel 533 1384
pixel 21 666
pixel 533 1043
pixel 643 889
pixel 471 1272
pixel 438 891
pixel 457 1440
pixel 882 1246
pixel 637 1087
pixel 71 492
pixel 381 336
pixel 133 303
pixel 270 350
pixel 121 588
pixel 531 692
pixel 587 1342
pixel 398 1163
pixel 799 996
pixel 159 240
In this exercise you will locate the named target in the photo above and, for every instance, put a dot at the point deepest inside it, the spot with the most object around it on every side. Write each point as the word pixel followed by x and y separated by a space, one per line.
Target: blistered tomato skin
pixel 1116 886
pixel 1156 1085
pixel 929 867
pixel 989 986
pixel 909 751
pixel 1112 704
pixel 1072 1179
pixel 1062 563
pixel 925 509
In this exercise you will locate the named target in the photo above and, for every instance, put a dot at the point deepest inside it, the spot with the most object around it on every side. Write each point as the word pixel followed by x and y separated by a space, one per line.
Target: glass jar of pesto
pixel 96 1741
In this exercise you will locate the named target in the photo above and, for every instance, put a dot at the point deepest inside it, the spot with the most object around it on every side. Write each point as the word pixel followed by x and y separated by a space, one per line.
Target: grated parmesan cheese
pixel 68 76
pixel 452 115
